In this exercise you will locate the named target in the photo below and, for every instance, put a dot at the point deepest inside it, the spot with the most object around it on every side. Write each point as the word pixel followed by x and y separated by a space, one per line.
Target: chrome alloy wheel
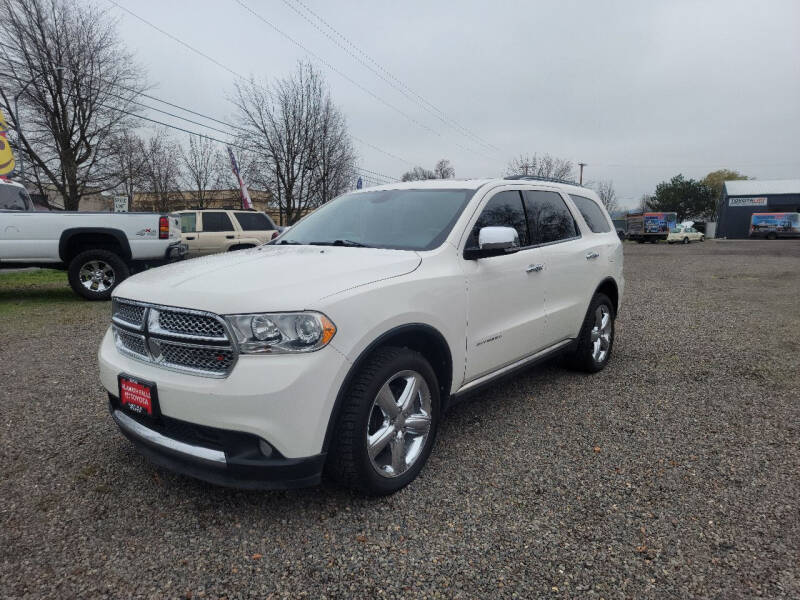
pixel 97 276
pixel 601 333
pixel 399 423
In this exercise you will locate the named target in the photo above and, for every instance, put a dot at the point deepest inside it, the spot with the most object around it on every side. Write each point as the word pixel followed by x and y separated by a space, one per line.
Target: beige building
pixel 180 200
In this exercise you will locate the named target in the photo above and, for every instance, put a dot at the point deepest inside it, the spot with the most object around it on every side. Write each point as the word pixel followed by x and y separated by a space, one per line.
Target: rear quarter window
pixel 254 221
pixel 592 214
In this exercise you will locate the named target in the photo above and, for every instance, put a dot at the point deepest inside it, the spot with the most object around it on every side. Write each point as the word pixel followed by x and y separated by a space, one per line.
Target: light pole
pixel 580 182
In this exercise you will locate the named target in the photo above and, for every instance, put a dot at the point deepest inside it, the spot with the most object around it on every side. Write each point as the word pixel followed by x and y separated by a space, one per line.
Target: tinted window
pixel 592 214
pixel 398 219
pixel 188 222
pixel 13 198
pixel 216 221
pixel 503 210
pixel 549 218
pixel 254 221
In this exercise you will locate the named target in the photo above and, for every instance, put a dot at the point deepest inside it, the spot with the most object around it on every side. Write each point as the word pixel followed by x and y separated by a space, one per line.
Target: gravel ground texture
pixel 674 473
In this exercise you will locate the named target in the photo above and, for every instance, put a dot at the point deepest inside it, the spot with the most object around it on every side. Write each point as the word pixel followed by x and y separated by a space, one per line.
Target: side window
pixel 254 221
pixel 504 210
pixel 13 198
pixel 549 218
pixel 592 214
pixel 216 221
pixel 188 222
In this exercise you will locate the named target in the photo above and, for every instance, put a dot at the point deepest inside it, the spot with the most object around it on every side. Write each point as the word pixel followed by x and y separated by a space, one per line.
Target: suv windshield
pixel 395 219
pixel 13 198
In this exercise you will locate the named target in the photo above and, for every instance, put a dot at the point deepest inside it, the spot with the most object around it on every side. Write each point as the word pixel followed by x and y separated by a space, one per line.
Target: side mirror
pixel 494 241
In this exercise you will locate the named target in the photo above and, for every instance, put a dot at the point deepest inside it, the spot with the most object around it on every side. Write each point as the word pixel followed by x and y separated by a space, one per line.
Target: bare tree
pixel 203 170
pixel 608 196
pixel 645 202
pixel 545 166
pixel 163 171
pixel 128 161
pixel 444 170
pixel 418 174
pixel 67 87
pixel 299 143
pixel 334 155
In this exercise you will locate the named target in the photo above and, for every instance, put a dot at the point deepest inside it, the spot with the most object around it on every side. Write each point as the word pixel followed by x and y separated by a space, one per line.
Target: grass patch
pixel 21 290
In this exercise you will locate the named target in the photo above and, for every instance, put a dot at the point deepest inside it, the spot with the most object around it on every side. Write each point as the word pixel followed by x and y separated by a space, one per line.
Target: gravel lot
pixel 673 473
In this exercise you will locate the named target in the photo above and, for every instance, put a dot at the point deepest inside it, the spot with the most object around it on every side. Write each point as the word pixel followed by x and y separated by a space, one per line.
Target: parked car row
pixel 101 249
pixel 97 249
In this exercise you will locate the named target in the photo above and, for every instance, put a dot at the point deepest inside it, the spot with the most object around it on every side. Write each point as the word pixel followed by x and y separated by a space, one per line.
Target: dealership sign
pixel 747 201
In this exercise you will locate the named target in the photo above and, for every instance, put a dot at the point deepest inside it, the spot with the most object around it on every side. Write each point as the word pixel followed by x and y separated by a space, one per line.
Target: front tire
pixel 596 338
pixel 387 425
pixel 685 240
pixel 94 274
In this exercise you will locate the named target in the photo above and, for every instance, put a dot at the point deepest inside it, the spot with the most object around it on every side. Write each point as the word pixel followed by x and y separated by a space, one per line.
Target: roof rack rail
pixel 541 178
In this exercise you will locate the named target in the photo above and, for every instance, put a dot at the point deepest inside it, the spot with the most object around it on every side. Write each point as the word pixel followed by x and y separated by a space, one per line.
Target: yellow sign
pixel 6 155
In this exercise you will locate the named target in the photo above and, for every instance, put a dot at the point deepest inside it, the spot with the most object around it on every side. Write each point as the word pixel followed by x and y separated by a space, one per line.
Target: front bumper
pixel 221 457
pixel 285 399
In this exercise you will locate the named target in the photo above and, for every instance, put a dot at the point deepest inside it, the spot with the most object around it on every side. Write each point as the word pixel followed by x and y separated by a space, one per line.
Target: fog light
pixel 265 448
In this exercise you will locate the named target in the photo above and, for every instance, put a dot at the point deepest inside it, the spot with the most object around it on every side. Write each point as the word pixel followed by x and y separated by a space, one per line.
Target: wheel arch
pixel 609 287
pixel 420 337
pixel 78 239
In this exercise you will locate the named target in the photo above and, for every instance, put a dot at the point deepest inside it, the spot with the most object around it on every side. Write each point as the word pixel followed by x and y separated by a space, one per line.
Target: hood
pixel 267 278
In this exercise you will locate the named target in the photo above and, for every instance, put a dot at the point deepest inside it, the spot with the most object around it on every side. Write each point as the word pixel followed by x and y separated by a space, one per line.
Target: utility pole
pixel 581 166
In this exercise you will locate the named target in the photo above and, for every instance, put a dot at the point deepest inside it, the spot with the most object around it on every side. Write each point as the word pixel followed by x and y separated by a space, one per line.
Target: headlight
pixel 279 333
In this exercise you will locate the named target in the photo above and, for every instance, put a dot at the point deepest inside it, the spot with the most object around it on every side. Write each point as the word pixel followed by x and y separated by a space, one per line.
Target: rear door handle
pixel 230 237
pixel 592 255
pixel 189 237
pixel 534 268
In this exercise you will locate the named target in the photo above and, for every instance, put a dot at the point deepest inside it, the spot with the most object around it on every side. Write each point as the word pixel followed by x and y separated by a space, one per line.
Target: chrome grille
pixel 173 338
pixel 190 324
pixel 204 359
pixel 130 342
pixel 127 313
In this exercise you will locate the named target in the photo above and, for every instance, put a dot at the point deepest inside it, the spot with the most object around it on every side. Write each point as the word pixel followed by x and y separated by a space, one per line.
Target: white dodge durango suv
pixel 336 348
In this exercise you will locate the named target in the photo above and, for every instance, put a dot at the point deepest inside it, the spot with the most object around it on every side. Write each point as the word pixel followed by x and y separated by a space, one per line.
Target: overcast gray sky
pixel 638 90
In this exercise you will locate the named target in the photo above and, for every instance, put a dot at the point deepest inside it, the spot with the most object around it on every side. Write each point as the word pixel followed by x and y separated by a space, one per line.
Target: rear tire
pixel 685 240
pixel 94 274
pixel 595 341
pixel 387 425
pixel 772 236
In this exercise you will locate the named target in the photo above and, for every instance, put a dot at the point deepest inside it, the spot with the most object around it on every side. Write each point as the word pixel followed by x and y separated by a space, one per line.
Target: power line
pixel 239 75
pixel 389 78
pixel 192 121
pixel 347 77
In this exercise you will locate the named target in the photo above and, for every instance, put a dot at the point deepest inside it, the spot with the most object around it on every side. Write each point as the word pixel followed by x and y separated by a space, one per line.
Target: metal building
pixel 740 199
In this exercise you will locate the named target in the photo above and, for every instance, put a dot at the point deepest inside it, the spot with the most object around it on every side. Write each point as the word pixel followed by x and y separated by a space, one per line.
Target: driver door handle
pixel 534 268
pixel 592 255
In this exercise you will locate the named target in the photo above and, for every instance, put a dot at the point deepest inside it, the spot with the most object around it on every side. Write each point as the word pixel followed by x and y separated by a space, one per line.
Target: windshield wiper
pixel 350 243
pixel 287 242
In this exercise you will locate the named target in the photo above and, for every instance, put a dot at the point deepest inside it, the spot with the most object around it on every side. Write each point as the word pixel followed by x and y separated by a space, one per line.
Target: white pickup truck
pixel 98 249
